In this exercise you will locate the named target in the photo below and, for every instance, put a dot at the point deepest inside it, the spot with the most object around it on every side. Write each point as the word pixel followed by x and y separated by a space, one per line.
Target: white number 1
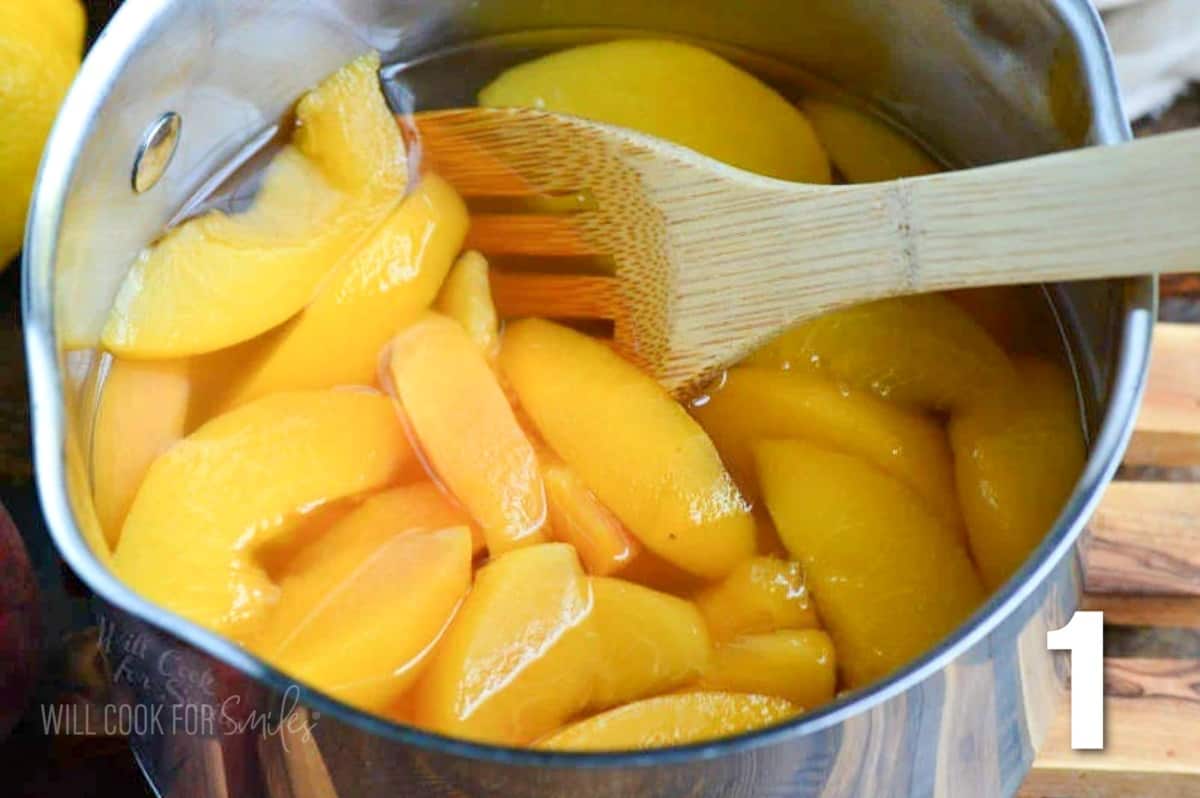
pixel 1084 638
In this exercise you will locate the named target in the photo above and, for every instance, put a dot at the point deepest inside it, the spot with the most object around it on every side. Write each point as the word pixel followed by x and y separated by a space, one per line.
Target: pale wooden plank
pixel 1176 611
pixel 1145 538
pixel 1152 745
pixel 1167 432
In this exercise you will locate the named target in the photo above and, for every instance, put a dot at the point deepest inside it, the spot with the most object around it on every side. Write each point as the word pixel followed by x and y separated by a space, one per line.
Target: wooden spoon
pixel 697 263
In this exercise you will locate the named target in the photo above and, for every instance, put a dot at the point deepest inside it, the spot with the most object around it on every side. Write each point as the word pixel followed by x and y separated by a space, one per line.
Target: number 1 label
pixel 1084 638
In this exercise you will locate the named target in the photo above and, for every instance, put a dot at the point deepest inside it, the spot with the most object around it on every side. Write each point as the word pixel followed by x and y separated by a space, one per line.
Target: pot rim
pixel 110 56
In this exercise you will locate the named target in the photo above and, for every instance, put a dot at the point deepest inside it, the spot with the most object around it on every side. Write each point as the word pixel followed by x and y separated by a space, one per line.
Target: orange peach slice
pixel 643 642
pixel 467 430
pixel 642 455
pixel 671 720
pixel 511 666
pixel 1018 458
pixel 141 411
pixel 244 478
pixel 466 297
pixel 385 284
pixel 919 350
pixel 577 517
pixel 798 665
pixel 889 578
pixel 753 404
pixel 217 280
pixel 760 595
pixel 863 148
pixel 362 631
pixel 420 507
pixel 675 91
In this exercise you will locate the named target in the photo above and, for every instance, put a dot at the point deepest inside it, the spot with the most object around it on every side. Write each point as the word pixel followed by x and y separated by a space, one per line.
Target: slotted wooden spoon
pixel 696 262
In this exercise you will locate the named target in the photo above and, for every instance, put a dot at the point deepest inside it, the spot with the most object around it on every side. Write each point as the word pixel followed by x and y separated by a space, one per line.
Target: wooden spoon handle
pixel 1133 209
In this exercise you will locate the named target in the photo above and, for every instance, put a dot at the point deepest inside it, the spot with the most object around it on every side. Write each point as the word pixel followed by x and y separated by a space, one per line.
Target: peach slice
pixel 419 507
pixel 466 297
pixel 889 578
pixel 362 631
pixel 798 665
pixel 577 517
pixel 760 595
pixel 863 148
pixel 643 642
pixel 1018 457
pixel 642 455
pixel 511 667
pixel 920 350
pixel 141 412
pixel 674 91
pixel 244 478
pixel 467 430
pixel 384 285
pixel 671 720
pixel 757 403
pixel 217 280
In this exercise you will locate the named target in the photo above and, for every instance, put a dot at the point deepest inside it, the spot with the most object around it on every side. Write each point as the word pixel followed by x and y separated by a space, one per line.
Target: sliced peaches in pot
pixel 220 279
pixel 643 642
pixel 1017 456
pixel 242 479
pixel 760 595
pixel 466 297
pixel 362 631
pixel 579 518
pixel 921 350
pixel 142 411
pixel 511 666
pixel 796 664
pixel 753 404
pixel 467 430
pixel 890 579
pixel 389 281
pixel 631 444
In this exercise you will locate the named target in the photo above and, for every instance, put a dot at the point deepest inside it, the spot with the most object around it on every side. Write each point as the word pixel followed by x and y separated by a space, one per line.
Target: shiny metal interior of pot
pixel 978 81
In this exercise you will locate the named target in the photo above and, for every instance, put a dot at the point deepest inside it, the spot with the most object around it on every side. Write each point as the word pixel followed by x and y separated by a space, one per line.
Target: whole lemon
pixel 41 42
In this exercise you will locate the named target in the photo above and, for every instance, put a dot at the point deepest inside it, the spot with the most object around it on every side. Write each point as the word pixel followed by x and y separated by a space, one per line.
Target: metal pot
pixel 980 80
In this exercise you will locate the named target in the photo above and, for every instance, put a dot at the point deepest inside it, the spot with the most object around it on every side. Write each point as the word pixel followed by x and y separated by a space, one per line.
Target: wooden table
pixel 1142 569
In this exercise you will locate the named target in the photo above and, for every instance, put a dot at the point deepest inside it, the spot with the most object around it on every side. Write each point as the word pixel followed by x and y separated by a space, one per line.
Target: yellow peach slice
pixel 346 127
pixel 1018 457
pixel 361 632
pixel 920 350
pixel 419 507
pixel 677 92
pixel 388 282
pixel 511 668
pixel 671 720
pixel 889 578
pixel 141 411
pixel 865 149
pixel 642 455
pixel 757 403
pixel 243 478
pixel 643 642
pixel 466 297
pixel 798 665
pixel 761 595
pixel 577 517
pixel 468 432
pixel 217 280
